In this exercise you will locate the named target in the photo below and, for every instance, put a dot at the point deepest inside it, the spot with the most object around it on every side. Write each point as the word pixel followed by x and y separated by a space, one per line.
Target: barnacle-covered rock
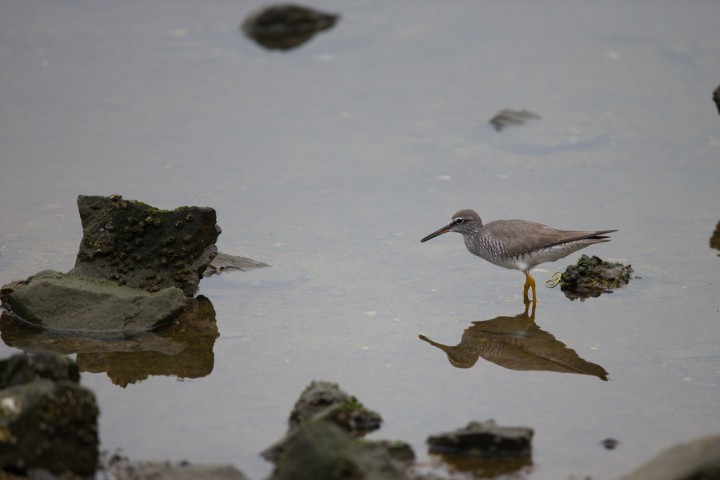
pixel 134 244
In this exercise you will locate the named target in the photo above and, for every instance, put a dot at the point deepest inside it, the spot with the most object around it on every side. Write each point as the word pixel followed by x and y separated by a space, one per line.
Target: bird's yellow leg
pixel 530 316
pixel 529 283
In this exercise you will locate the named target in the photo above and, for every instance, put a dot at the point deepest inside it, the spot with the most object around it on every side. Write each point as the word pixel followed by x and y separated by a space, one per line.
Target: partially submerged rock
pixel 610 443
pixel 696 460
pixel 225 263
pixel 715 239
pixel 69 303
pixel 484 439
pixel 716 97
pixel 325 401
pixel 322 450
pixel 140 246
pixel 351 416
pixel 48 422
pixel 286 26
pixel 592 276
pixel 510 117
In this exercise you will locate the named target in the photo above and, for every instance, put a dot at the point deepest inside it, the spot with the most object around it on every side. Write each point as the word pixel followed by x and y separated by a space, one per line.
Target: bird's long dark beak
pixel 444 229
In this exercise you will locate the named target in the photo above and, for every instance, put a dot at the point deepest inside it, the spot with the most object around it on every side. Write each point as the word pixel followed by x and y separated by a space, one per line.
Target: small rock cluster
pixel 323 441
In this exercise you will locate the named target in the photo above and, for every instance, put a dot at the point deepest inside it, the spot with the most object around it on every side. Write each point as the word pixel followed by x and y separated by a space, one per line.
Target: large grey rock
pixel 63 302
pixel 140 246
pixel 321 450
pixel 45 424
pixel 696 460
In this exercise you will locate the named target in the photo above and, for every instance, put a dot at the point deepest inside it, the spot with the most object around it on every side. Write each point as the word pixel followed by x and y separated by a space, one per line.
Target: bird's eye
pixel 459 221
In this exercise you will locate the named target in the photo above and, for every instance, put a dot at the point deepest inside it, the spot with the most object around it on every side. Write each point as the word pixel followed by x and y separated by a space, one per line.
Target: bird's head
pixel 466 222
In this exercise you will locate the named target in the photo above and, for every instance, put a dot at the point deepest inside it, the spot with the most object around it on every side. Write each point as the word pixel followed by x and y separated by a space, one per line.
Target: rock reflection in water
pixel 482 467
pixel 183 349
pixel 516 343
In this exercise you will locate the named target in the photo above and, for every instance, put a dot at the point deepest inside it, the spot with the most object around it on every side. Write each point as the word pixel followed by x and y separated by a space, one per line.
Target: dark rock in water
pixel 286 26
pixel 20 369
pixel 70 303
pixel 715 239
pixel 47 425
pixel 140 246
pixel 592 276
pixel 321 450
pixel 325 401
pixel 351 415
pixel 697 460
pixel 716 97
pixel 224 262
pixel 610 443
pixel 397 450
pixel 484 439
pixel 508 117
pixel 183 349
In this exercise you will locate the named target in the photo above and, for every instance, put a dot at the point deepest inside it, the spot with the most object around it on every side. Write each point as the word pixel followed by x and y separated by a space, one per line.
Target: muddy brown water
pixel 331 161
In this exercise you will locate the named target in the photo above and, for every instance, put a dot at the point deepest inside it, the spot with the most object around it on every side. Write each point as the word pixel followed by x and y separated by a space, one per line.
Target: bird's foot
pixel 529 284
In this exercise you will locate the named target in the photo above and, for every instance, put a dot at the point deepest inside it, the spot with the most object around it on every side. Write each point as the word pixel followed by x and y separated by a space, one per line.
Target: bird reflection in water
pixel 516 343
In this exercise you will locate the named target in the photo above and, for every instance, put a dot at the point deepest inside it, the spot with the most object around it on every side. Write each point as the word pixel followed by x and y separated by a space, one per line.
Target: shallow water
pixel 331 161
